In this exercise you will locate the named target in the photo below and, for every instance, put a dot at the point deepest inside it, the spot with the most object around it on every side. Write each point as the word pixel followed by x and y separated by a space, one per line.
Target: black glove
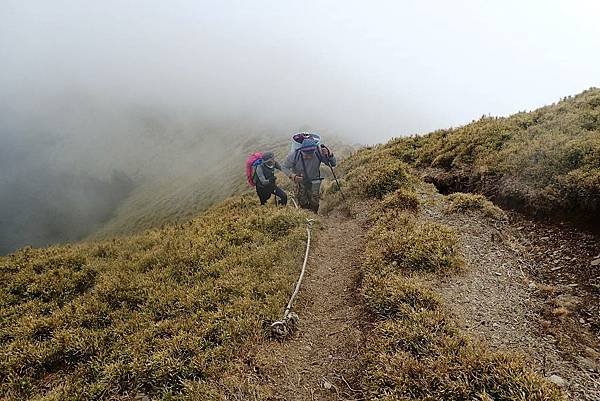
pixel 328 154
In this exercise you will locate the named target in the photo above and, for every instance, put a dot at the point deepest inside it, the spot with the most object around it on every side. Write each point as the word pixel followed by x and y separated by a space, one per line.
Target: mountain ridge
pixel 182 311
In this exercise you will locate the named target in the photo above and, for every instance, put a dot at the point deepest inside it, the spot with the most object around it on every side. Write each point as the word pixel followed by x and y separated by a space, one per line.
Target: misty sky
pixel 369 69
pixel 106 105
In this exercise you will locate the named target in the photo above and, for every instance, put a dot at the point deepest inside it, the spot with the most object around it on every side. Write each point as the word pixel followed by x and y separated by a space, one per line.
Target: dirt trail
pixel 500 300
pixel 320 360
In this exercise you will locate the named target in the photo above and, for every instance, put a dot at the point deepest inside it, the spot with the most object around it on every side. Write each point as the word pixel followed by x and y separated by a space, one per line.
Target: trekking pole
pixel 334 176
pixel 337 182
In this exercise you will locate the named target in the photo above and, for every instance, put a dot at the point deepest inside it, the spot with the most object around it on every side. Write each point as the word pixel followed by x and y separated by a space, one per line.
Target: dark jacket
pixel 264 176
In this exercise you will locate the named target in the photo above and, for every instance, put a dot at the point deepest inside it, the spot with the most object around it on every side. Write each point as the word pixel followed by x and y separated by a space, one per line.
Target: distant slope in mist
pixel 81 167
pixel 180 195
pixel 177 196
pixel 46 207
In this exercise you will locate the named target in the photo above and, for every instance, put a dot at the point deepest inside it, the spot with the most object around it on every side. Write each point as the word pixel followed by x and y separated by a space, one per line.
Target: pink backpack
pixel 251 162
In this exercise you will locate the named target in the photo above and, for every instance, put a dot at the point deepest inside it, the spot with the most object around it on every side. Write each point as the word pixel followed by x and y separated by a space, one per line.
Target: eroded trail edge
pixel 320 360
pixel 496 299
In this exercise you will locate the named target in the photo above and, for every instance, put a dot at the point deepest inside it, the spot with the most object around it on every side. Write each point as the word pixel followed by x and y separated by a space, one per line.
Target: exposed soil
pixel 569 261
pixel 320 361
pixel 580 210
pixel 510 297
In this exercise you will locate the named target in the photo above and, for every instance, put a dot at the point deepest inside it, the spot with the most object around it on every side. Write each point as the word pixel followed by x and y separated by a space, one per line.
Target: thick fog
pixel 98 96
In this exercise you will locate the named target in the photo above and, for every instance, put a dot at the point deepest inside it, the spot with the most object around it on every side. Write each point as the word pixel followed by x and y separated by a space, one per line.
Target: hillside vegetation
pixel 198 180
pixel 174 312
pixel 545 162
pixel 167 313
pixel 415 351
pixel 195 180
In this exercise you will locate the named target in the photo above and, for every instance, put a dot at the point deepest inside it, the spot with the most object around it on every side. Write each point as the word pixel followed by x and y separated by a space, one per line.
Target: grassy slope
pixel 168 312
pixel 415 351
pixel 180 195
pixel 177 196
pixel 545 162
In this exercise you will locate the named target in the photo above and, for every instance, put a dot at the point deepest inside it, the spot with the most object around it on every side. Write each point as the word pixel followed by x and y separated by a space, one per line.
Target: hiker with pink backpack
pixel 260 172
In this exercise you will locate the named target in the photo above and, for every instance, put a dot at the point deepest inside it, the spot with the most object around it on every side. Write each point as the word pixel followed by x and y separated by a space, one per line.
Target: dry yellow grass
pixel 415 351
pixel 545 162
pixel 168 313
pixel 461 203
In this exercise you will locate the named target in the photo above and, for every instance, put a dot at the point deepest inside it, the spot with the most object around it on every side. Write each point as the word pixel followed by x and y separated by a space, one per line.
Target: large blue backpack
pixel 309 147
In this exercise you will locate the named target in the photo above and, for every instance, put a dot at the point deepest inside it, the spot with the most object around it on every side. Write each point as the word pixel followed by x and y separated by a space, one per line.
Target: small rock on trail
pixel 556 379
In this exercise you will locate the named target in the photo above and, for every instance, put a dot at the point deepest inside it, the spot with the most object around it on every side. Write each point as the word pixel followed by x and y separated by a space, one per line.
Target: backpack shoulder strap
pixel 319 155
pixel 305 177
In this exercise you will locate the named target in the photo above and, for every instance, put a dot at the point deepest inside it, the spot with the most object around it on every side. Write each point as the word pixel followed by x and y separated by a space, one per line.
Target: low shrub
pixel 415 351
pixel 404 244
pixel 401 199
pixel 421 334
pixel 395 296
pixel 425 361
pixel 461 203
pixel 382 175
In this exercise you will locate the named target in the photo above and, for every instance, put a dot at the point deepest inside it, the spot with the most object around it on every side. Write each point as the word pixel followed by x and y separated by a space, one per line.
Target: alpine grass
pixel 169 313
pixel 415 351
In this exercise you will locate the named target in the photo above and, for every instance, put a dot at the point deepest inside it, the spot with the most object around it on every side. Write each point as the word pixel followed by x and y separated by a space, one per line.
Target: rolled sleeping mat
pixel 297 139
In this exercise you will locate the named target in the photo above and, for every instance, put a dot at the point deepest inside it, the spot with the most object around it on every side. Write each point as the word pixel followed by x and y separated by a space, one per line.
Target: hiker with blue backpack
pixel 304 165
pixel 260 170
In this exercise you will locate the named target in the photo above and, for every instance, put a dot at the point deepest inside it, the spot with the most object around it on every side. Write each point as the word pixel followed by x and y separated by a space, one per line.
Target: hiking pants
pixel 264 194
pixel 308 195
